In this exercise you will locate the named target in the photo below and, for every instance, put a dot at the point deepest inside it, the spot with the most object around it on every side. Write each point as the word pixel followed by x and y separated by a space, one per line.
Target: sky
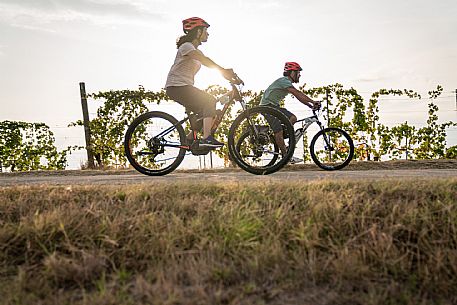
pixel 48 46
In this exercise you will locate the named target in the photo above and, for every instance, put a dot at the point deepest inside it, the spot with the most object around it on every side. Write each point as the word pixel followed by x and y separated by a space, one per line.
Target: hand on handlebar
pixel 231 76
pixel 316 105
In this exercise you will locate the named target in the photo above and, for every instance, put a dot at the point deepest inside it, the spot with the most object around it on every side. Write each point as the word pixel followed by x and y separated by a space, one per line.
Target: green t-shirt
pixel 276 92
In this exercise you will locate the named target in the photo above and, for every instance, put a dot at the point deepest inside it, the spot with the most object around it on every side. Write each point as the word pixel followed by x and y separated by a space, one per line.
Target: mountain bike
pixel 331 148
pixel 155 142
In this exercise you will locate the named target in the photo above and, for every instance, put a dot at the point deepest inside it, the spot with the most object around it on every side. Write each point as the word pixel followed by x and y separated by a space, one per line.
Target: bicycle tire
pixel 129 141
pixel 345 154
pixel 248 116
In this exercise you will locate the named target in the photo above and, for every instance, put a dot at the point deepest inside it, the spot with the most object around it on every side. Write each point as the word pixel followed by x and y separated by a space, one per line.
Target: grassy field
pixel 385 242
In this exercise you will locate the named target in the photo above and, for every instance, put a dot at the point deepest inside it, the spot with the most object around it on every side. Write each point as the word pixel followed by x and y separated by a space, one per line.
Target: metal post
pixel 211 158
pixel 90 156
pixel 455 99
pixel 328 109
pixel 406 147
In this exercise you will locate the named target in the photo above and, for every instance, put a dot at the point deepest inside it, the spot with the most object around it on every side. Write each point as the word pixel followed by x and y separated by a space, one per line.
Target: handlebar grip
pixel 236 80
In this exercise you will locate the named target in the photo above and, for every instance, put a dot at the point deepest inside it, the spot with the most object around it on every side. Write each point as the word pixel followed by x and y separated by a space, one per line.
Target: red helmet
pixel 191 23
pixel 292 66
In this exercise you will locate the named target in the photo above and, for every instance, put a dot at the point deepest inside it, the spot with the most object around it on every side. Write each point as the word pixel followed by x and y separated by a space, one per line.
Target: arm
pixel 304 98
pixel 208 62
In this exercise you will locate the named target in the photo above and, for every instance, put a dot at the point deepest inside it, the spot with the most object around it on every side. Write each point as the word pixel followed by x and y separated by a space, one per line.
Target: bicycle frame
pixel 235 95
pixel 308 121
pixel 314 119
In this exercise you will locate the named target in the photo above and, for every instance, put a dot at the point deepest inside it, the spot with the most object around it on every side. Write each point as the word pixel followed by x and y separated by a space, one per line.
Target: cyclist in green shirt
pixel 276 92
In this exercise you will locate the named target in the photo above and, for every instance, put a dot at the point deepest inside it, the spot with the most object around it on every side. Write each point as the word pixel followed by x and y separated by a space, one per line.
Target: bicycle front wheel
pixel 252 144
pixel 153 143
pixel 332 148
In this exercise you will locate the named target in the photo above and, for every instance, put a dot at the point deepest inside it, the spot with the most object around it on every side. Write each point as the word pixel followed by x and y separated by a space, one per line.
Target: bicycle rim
pixel 252 145
pixel 332 149
pixel 152 143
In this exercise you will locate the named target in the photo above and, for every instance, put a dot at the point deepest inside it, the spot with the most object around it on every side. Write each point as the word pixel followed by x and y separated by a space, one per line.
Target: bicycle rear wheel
pixel 153 143
pixel 332 148
pixel 251 142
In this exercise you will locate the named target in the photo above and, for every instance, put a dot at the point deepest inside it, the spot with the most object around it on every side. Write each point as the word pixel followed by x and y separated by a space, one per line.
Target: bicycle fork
pixel 328 143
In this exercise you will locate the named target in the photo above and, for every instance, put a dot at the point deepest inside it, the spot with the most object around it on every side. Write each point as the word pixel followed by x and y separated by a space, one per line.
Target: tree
pixel 400 134
pixel 119 109
pixel 379 140
pixel 29 146
pixel 343 108
pixel 432 138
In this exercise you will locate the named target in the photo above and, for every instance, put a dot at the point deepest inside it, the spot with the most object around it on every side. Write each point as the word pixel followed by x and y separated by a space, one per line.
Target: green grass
pixel 385 242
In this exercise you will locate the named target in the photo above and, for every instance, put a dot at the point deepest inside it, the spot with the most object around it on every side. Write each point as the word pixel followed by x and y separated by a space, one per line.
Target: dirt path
pixel 123 178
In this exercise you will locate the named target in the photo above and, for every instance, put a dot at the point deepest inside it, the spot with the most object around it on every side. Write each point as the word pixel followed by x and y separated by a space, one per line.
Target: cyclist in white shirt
pixel 180 80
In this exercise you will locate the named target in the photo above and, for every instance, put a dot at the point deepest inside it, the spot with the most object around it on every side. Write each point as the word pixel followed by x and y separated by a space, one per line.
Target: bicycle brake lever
pixel 235 79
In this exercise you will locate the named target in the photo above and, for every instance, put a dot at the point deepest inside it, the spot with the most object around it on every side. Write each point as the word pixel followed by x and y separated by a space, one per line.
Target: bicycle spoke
pixel 153 143
pixel 332 148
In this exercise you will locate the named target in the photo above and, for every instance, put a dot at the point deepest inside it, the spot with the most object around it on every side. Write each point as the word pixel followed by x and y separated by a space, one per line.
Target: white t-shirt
pixel 183 70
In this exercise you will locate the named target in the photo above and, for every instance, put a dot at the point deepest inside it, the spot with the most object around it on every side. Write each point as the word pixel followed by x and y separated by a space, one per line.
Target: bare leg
pixel 207 124
pixel 190 135
pixel 293 119
pixel 279 137
pixel 280 141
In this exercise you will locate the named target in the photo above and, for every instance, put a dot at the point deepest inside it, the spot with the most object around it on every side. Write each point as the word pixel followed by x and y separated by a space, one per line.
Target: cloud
pixel 96 7
pixel 33 28
pixel 32 13
pixel 372 77
pixel 262 4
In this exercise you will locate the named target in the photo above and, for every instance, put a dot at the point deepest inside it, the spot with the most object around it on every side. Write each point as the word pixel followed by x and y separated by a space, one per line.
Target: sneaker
pixel 210 142
pixel 294 160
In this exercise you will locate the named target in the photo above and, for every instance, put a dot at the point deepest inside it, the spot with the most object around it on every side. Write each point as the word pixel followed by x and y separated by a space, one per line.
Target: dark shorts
pixel 194 100
pixel 275 124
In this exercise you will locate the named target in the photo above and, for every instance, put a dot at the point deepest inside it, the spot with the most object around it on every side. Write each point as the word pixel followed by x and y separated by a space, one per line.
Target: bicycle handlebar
pixel 235 80
pixel 232 77
pixel 316 111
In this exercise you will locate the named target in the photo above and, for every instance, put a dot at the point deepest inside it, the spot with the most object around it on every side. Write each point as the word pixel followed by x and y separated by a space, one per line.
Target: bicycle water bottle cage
pixel 196 121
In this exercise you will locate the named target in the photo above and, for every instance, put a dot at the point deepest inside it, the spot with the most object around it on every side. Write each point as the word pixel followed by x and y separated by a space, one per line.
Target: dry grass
pixel 386 242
